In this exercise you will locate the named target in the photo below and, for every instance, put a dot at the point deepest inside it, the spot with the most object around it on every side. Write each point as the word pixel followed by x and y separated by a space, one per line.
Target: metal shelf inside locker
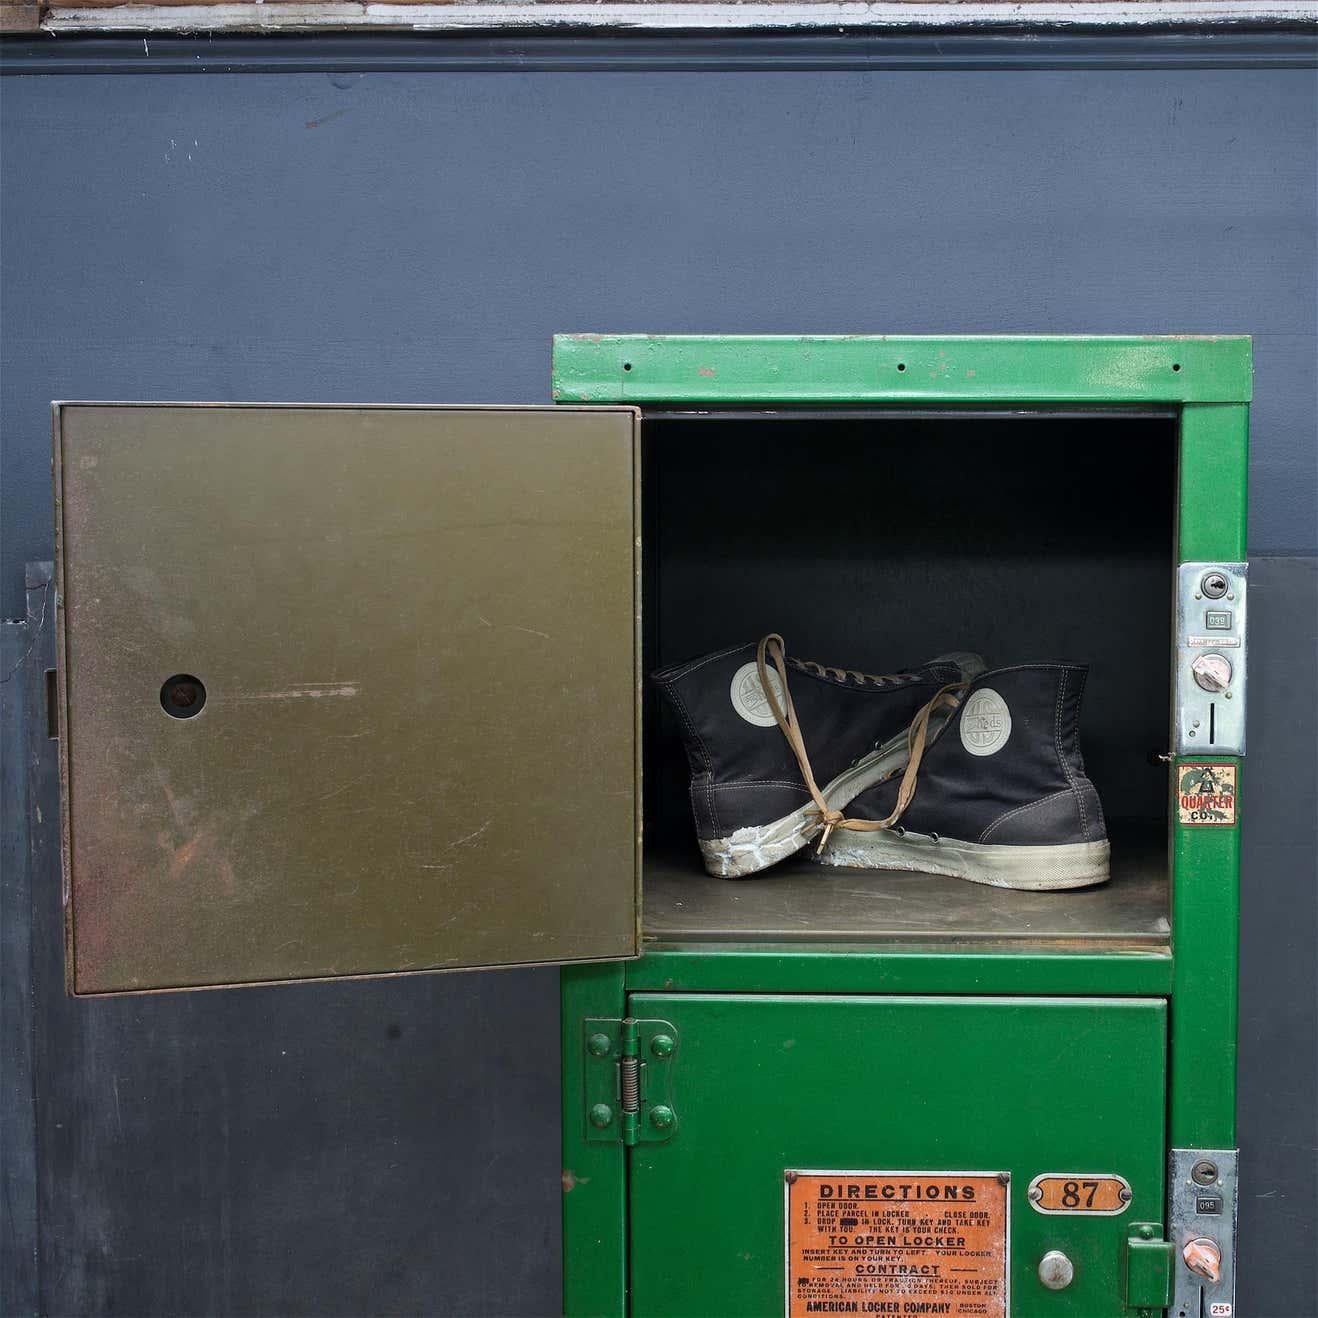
pixel 798 901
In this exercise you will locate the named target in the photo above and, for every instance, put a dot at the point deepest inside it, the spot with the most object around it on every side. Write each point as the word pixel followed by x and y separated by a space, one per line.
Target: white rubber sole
pixel 1031 869
pixel 754 848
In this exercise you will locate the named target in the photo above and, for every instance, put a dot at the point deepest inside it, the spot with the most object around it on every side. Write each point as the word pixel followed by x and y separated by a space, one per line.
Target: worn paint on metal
pixel 997 369
pixel 417 630
pixel 594 1173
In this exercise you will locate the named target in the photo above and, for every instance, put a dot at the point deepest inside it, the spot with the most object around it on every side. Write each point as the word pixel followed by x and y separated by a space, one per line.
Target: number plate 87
pixel 1080 1192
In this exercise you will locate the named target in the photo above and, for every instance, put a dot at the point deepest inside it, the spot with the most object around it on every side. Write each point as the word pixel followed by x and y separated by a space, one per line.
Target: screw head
pixel 599 1045
pixel 1204 1172
pixel 662 1117
pixel 1036 1193
pixel 789 1177
pixel 601 1115
pixel 662 1045
pixel 1124 1195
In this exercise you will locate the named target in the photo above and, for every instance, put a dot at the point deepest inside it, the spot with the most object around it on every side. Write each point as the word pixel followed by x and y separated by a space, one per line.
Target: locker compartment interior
pixel 874 541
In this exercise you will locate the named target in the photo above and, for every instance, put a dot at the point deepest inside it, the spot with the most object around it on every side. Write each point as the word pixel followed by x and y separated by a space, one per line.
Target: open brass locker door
pixel 345 690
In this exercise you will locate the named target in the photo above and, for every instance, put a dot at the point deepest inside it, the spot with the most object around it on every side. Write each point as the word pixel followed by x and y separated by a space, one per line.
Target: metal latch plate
pixel 1210 658
pixel 1203 1206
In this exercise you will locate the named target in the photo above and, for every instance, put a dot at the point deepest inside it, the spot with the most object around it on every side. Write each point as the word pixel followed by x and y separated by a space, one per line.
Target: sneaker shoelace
pixel 771 648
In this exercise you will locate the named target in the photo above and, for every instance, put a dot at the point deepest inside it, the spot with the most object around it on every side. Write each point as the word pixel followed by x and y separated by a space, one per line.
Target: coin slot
pixel 1212 721
pixel 183 696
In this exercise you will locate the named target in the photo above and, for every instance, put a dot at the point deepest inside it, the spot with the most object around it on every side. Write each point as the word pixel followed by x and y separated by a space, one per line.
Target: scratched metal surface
pixel 409 236
pixel 416 634
pixel 799 901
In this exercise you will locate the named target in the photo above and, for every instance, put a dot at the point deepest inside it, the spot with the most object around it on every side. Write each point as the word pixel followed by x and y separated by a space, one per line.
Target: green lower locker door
pixel 884 1093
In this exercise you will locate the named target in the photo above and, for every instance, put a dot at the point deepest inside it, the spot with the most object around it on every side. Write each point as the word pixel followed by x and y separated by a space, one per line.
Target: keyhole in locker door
pixel 183 696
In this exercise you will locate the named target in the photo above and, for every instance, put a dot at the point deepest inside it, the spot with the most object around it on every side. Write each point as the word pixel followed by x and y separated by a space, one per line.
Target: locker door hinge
pixel 1148 1269
pixel 628 1088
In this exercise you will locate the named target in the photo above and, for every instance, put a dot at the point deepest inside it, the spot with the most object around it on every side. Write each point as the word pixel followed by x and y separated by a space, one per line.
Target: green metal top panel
pixel 716 369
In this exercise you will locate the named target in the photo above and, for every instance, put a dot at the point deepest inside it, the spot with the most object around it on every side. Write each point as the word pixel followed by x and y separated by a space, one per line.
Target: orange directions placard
pixel 897 1243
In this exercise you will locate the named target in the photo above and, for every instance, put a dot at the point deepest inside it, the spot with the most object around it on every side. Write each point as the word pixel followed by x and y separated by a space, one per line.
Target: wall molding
pixel 385 52
pixel 664 15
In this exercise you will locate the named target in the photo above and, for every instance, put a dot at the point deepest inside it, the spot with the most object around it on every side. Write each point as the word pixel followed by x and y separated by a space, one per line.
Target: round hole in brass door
pixel 183 696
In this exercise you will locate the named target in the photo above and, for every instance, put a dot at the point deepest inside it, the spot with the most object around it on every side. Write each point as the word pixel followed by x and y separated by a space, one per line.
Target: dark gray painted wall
pixel 392 1147
pixel 414 237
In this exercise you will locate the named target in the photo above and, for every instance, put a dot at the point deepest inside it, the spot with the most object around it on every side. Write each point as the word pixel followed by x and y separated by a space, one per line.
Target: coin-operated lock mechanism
pixel 1210 662
pixel 1202 1226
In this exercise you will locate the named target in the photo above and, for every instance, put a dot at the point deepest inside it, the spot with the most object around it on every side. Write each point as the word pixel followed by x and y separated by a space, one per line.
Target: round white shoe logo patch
pixel 985 722
pixel 748 695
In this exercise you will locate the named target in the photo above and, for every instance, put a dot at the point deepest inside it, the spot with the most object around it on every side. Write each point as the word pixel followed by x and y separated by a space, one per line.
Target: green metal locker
pixel 359 690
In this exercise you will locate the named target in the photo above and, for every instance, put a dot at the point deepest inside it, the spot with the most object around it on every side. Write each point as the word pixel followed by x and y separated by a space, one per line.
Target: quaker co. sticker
pixel 897 1243
pixel 1206 793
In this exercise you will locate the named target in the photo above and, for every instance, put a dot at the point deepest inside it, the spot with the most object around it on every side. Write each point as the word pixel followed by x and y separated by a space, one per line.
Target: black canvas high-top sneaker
pixel 999 797
pixel 752 804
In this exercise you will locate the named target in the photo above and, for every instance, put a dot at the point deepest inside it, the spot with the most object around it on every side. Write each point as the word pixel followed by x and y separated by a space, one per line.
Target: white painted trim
pixel 663 14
